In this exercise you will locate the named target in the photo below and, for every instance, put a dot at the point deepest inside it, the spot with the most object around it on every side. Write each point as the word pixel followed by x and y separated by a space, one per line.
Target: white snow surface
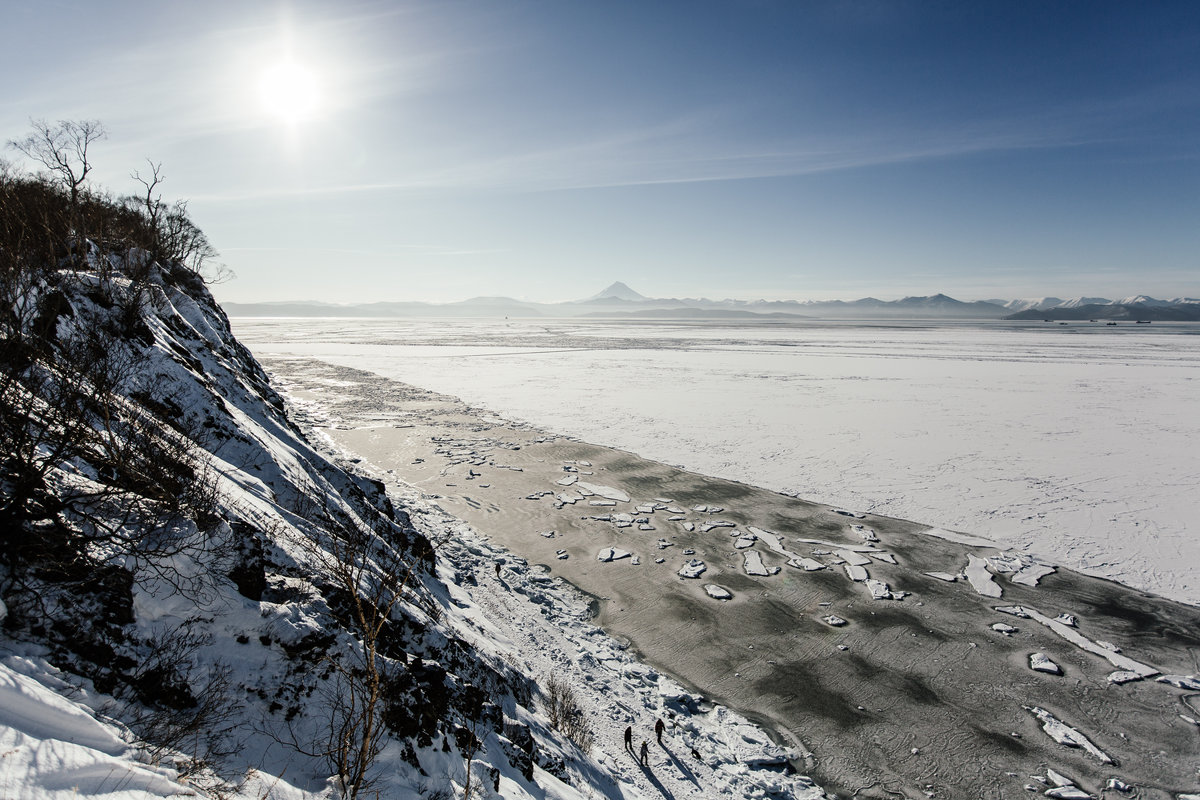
pixel 1069 441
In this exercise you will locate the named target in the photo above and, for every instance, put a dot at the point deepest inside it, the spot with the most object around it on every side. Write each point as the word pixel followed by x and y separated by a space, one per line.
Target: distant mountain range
pixel 621 301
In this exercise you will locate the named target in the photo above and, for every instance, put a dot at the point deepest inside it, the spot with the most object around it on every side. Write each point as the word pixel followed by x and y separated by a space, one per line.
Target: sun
pixel 289 91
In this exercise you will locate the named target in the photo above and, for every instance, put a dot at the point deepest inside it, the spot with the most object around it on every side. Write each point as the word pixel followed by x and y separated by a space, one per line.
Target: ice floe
pixel 887 558
pixel 606 492
pixel 833 620
pixel 806 564
pixel 602 502
pixel 867 534
pixel 943 576
pixel 612 554
pixel 881 591
pixel 1067 619
pixel 718 592
pixel 1189 682
pixel 745 541
pixel 856 573
pixel 979 577
pixel 1042 663
pixel 708 526
pixel 1062 733
pixel 754 564
pixel 1000 627
pixel 1123 676
pixel 567 480
pixel 693 569
pixel 853 559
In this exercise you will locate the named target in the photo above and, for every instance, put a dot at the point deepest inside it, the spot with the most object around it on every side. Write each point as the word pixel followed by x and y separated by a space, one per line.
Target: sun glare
pixel 289 91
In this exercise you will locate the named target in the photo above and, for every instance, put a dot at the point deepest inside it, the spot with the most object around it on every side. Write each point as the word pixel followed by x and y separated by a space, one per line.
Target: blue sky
pixel 543 149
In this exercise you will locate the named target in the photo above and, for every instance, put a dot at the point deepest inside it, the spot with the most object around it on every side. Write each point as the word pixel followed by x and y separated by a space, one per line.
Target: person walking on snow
pixel 645 753
pixel 658 730
pixel 629 738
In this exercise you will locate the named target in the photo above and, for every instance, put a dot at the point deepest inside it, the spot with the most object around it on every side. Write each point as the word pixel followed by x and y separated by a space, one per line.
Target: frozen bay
pixel 1076 442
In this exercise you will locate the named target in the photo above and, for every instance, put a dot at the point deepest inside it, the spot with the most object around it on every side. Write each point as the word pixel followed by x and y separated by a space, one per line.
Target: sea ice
pixel 1067 619
pixel 1188 682
pixel 866 533
pixel 1042 663
pixel 979 577
pixel 1064 734
pixel 612 554
pixel 856 573
pixel 1082 642
pixel 885 557
pixel 567 480
pixel 806 564
pixel 754 564
pixel 1000 627
pixel 880 590
pixel 1123 676
pixel 943 576
pixel 692 569
pixel 607 492
pixel 853 559
pixel 745 541
pixel 602 502
pixel 834 620
pixel 718 592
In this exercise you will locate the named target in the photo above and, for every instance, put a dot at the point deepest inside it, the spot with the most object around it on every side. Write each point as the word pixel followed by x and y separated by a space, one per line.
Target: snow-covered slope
pixel 197 600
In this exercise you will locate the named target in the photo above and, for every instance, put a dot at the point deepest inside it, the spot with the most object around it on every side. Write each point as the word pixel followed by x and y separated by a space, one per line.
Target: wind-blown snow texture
pixel 1069 442
pixel 263 608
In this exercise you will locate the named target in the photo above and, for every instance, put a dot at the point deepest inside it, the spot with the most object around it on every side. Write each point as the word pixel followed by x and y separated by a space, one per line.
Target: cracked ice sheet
pixel 1083 406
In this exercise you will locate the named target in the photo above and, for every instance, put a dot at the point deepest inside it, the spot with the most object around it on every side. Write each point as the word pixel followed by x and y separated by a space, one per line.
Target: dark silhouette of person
pixel 629 738
pixel 658 729
pixel 645 753
pixel 497 569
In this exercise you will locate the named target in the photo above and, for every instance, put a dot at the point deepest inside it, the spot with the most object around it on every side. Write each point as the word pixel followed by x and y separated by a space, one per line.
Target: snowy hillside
pixel 198 601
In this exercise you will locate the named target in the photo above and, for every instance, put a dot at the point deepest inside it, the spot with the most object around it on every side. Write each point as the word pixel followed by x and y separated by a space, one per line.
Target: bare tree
pixel 62 148
pixel 373 577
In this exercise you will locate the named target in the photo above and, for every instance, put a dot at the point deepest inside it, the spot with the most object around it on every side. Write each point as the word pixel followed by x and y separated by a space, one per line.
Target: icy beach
pixel 1072 441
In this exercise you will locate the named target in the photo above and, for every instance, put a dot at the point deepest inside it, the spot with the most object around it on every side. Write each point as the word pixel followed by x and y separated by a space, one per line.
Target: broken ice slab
pixel 880 590
pixel 806 564
pixel 744 542
pixel 567 480
pixel 853 559
pixel 689 526
pixel 754 565
pixel 602 502
pixel 718 592
pixel 612 554
pixel 1123 676
pixel 943 576
pixel 708 526
pixel 1000 627
pixel 1067 619
pixel 562 554
pixel 887 558
pixel 979 577
pixel 645 508
pixel 1042 663
pixel 833 620
pixel 692 569
pixel 866 533
pixel 1189 682
pixel 606 492
pixel 856 573
pixel 1062 733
